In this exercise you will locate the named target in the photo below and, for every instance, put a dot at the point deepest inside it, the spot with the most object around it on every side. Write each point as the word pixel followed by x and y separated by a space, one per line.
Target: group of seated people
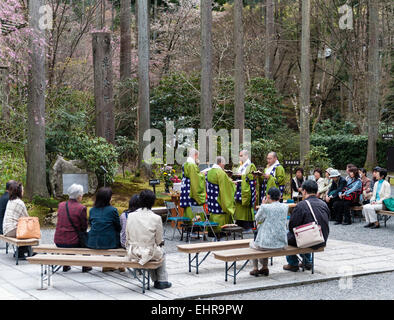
pixel 341 194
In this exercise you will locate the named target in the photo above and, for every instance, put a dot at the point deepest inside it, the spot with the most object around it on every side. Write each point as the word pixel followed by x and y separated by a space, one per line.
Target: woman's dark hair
pixel 147 199
pixel 349 165
pixel 134 203
pixel 382 173
pixel 363 170
pixel 318 170
pixel 274 193
pixel 310 186
pixel 301 170
pixel 103 198
pixel 15 190
pixel 355 171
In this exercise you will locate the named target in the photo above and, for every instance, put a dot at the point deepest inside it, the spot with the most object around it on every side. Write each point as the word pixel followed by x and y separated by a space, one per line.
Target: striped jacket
pixel 15 209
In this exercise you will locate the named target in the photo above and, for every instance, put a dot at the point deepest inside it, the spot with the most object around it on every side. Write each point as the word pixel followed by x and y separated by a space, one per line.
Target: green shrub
pixel 12 164
pixel 317 157
pixel 46 202
pixel 343 149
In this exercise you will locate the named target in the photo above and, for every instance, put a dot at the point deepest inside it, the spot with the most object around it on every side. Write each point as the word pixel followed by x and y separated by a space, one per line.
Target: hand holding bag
pixel 308 235
pixel 28 228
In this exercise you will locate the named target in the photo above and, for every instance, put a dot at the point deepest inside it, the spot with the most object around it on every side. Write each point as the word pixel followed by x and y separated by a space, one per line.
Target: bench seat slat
pixel 90 261
pixel 249 253
pixel 20 242
pixel 212 246
pixel 385 212
pixel 54 249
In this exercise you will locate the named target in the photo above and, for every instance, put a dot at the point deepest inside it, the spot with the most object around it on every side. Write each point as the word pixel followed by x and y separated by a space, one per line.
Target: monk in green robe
pixel 193 185
pixel 220 191
pixel 245 196
pixel 274 176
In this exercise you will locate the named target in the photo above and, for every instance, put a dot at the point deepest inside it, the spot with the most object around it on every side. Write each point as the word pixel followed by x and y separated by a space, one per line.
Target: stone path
pixel 341 259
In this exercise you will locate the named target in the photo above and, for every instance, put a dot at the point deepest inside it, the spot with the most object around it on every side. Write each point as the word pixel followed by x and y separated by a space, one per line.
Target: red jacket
pixel 65 234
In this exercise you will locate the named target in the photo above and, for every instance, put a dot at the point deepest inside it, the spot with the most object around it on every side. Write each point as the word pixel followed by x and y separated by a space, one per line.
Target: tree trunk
pixel 4 93
pixel 125 40
pixel 36 161
pixel 373 84
pixel 143 81
pixel 305 81
pixel 239 86
pixel 103 87
pixel 270 38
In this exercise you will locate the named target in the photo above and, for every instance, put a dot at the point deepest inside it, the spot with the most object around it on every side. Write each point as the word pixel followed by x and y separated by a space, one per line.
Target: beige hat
pixel 334 173
pixel 328 170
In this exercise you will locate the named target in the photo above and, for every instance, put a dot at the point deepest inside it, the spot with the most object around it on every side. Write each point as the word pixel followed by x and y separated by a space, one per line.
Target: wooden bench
pixel 53 249
pixel 208 247
pixel 249 254
pixel 50 260
pixel 16 243
pixel 386 215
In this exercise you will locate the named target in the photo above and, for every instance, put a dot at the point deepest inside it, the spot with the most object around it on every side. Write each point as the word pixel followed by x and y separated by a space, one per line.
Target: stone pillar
pixel 4 92
pixel 103 86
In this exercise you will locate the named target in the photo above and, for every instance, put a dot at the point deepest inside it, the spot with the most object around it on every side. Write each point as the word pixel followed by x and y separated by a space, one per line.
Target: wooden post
pixel 103 87
pixel 4 92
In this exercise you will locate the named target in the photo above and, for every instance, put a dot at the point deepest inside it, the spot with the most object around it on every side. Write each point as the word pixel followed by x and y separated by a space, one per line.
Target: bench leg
pixel 190 262
pixel 272 261
pixel 6 248
pixel 313 262
pixel 143 281
pixel 42 277
pixel 235 272
pixel 17 255
pixel 226 270
pixel 196 263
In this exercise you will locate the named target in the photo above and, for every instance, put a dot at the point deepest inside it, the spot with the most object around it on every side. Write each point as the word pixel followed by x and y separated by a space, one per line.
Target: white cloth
pixel 190 160
pixel 144 233
pixel 269 169
pixel 369 212
pixel 385 191
pixel 242 169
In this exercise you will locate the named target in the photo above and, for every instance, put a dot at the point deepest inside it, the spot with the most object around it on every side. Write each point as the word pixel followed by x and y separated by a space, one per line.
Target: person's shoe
pixel 289 267
pixel 162 284
pixel 121 269
pixel 375 226
pixel 86 269
pixel 66 268
pixel 337 222
pixel 108 269
pixel 264 271
pixel 346 223
pixel 254 273
pixel 369 225
pixel 307 266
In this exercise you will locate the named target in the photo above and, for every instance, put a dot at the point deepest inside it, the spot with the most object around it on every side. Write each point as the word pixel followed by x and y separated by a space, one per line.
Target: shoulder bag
pixel 82 235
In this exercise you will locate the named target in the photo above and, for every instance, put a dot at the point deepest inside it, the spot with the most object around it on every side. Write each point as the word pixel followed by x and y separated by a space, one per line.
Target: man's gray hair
pixel 75 191
pixel 245 152
pixel 192 152
pixel 274 154
pixel 220 160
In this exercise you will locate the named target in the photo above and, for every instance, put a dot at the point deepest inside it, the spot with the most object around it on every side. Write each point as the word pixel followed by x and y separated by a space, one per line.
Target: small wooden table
pixel 233 230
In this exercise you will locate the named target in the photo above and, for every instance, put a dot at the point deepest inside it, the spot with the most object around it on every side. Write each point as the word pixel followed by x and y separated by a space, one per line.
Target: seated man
pixel 303 215
pixel 144 238
pixel 337 185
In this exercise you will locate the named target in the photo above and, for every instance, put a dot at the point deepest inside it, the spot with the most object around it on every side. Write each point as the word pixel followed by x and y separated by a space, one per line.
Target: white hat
pixel 334 173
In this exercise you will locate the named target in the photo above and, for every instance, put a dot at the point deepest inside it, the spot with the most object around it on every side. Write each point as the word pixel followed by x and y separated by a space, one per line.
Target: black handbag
pixel 82 235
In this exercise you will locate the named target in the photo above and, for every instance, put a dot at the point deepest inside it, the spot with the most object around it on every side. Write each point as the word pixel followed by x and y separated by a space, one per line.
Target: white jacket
pixel 144 233
pixel 385 191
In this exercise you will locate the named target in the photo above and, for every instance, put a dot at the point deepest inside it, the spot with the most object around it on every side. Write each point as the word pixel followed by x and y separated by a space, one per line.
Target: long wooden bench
pixel 386 215
pixel 53 249
pixel 249 254
pixel 16 243
pixel 208 247
pixel 47 261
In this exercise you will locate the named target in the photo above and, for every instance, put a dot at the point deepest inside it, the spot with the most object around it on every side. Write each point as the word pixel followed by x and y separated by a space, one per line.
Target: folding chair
pixel 171 206
pixel 202 224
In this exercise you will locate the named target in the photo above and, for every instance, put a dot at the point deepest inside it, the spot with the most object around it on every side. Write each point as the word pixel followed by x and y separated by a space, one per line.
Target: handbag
pixel 28 228
pixel 82 235
pixel 308 235
pixel 354 196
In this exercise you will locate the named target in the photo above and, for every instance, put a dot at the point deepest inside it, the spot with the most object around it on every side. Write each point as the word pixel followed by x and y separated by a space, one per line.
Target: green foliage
pixel 317 157
pixel 127 150
pixel 261 147
pixel 12 164
pixel 46 202
pixel 332 127
pixel 343 149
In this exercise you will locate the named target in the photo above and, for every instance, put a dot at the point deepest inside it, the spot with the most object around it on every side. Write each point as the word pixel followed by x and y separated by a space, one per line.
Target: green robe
pixel 225 199
pixel 278 180
pixel 197 187
pixel 243 210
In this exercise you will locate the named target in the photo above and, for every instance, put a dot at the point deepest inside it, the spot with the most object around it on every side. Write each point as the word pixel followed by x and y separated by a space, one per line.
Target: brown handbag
pixel 28 228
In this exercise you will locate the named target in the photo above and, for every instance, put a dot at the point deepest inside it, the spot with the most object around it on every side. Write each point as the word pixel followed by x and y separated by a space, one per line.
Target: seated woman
pixel 144 238
pixel 381 191
pixel 296 184
pixel 104 224
pixel 271 233
pixel 326 185
pixel 71 219
pixel 349 196
pixel 15 209
pixel 134 204
pixel 318 173
pixel 367 191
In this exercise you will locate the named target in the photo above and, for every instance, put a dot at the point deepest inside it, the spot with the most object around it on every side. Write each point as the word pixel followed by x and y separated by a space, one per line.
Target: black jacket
pixel 3 205
pixel 337 187
pixel 302 215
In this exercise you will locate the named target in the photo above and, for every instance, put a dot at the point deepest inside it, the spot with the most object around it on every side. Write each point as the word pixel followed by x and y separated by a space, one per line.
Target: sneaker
pixel 289 267
pixel 66 268
pixel 86 269
pixel 162 285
